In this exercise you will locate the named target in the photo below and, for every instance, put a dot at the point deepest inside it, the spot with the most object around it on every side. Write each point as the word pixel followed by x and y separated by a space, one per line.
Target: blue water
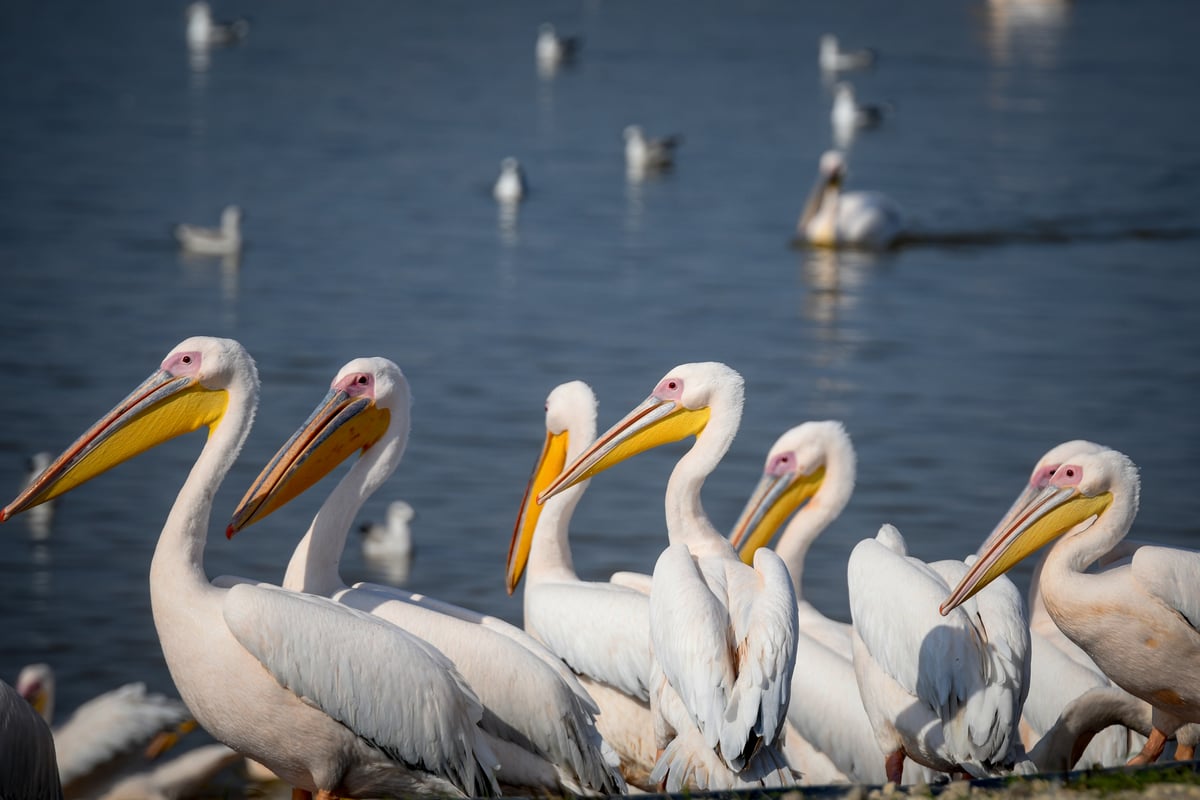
pixel 362 138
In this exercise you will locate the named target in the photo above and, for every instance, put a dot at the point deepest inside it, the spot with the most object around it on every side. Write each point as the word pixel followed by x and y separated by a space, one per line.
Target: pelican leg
pixel 1153 749
pixel 893 765
pixel 1185 752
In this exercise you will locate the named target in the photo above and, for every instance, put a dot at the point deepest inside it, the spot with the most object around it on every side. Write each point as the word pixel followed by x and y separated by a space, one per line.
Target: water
pixel 362 141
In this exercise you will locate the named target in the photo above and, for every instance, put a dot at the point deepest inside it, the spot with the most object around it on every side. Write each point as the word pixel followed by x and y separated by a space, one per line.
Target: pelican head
pixel 189 391
pixel 832 168
pixel 36 685
pixel 354 416
pixel 794 473
pixel 570 422
pixel 1078 492
pixel 679 407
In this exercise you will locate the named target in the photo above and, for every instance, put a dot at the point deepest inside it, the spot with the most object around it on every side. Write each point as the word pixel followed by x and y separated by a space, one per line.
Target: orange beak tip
pixel 230 531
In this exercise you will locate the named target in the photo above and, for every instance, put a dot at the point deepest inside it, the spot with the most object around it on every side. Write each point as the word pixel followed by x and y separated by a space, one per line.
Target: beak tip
pixel 230 531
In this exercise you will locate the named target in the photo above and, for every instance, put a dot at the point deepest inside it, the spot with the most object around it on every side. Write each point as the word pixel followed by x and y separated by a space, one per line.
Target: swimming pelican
pixel 945 692
pixel 510 186
pixel 1138 622
pixel 203 32
pixel 723 633
pixel 644 155
pixel 811 467
pixel 393 539
pixel 600 629
pixel 118 723
pixel 553 50
pixel 540 717
pixel 28 768
pixel 223 241
pixel 831 218
pixel 332 700
pixel 834 59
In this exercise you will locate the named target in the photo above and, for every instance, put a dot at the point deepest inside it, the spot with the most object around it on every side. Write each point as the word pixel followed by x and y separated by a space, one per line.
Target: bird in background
pixel 204 32
pixel 834 219
pixel 553 51
pixel 511 187
pixel 223 241
pixel 833 59
pixel 645 155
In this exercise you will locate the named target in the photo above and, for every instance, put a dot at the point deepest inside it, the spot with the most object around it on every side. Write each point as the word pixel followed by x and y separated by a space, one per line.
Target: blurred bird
pixel 203 31
pixel 223 241
pixel 849 116
pixel 834 59
pixel 831 218
pixel 180 777
pixel 643 155
pixel 510 186
pixel 41 517
pixel 393 539
pixel 554 50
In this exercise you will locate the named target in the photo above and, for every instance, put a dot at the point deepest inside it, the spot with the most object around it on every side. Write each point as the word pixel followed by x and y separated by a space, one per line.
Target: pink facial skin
pixel 357 384
pixel 669 389
pixel 180 364
pixel 1067 475
pixel 782 464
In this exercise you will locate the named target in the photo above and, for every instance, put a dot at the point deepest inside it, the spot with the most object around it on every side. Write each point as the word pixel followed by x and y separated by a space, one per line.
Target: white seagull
pixel 223 241
pixel 644 155
pixel 510 187
pixel 204 32
pixel 553 50
pixel 834 59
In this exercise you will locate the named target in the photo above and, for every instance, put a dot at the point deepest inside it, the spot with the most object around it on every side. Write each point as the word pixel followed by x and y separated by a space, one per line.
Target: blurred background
pixel 1055 142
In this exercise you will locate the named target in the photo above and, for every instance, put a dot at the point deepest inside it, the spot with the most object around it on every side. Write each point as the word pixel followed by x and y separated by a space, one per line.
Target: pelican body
pixel 278 676
pixel 538 720
pixel 1137 621
pixel 835 219
pixel 723 633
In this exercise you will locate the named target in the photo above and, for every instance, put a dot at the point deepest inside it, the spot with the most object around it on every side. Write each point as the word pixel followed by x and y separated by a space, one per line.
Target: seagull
pixel 223 241
pixel 510 186
pixel 848 115
pixel 644 155
pixel 834 59
pixel 554 50
pixel 393 539
pixel 204 32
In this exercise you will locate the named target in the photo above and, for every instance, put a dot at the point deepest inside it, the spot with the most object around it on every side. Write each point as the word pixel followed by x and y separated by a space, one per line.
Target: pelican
pixel 644 155
pixel 1138 622
pixel 126 721
pixel 946 693
pixel 553 50
pixel 332 700
pixel 203 32
pixel 539 717
pixel 510 186
pixel 223 241
pixel 811 467
pixel 834 59
pixel 833 219
pixel 28 768
pixel 393 539
pixel 600 629
pixel 723 633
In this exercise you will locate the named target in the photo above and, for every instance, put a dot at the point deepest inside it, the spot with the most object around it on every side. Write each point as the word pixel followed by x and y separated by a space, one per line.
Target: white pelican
pixel 552 50
pixel 834 59
pixel 204 32
pixel 392 539
pixel 121 723
pixel 833 219
pixel 510 186
pixel 723 633
pixel 601 630
pixel 183 776
pixel 28 768
pixel 644 155
pixel 223 241
pixel 330 699
pixel 945 692
pixel 811 467
pixel 540 717
pixel 1138 621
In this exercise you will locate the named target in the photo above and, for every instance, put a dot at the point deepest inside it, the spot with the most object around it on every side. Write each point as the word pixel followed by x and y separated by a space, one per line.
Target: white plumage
pixel 832 58
pixel 644 155
pixel 223 241
pixel 835 219
pixel 204 32
pixel 510 187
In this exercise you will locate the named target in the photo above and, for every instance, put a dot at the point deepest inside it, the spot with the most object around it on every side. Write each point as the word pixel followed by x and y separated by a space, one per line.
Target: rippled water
pixel 362 140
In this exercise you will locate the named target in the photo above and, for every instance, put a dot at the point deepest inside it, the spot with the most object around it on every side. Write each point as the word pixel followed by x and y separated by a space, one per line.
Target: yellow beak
pixel 1050 513
pixel 549 465
pixel 339 427
pixel 774 500
pixel 162 407
pixel 651 424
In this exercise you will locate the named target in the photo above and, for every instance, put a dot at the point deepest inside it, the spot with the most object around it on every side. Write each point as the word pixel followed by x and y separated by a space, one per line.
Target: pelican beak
pixel 162 407
pixel 549 465
pixel 652 423
pixel 1050 513
pixel 774 500
pixel 1010 517
pixel 339 427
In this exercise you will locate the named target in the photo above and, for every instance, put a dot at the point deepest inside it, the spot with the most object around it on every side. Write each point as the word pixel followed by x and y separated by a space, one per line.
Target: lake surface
pixel 362 139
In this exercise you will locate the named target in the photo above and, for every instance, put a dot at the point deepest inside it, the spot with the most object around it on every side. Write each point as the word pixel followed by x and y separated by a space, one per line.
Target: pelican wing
pixel 599 629
pixel 638 581
pixel 111 724
pixel 1172 575
pixel 420 710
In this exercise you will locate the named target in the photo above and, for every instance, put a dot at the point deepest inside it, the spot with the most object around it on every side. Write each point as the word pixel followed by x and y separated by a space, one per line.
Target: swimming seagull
pixel 223 241
pixel 554 50
pixel 203 31
pixel 510 186
pixel 644 155
pixel 834 59
pixel 848 114
pixel 392 539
